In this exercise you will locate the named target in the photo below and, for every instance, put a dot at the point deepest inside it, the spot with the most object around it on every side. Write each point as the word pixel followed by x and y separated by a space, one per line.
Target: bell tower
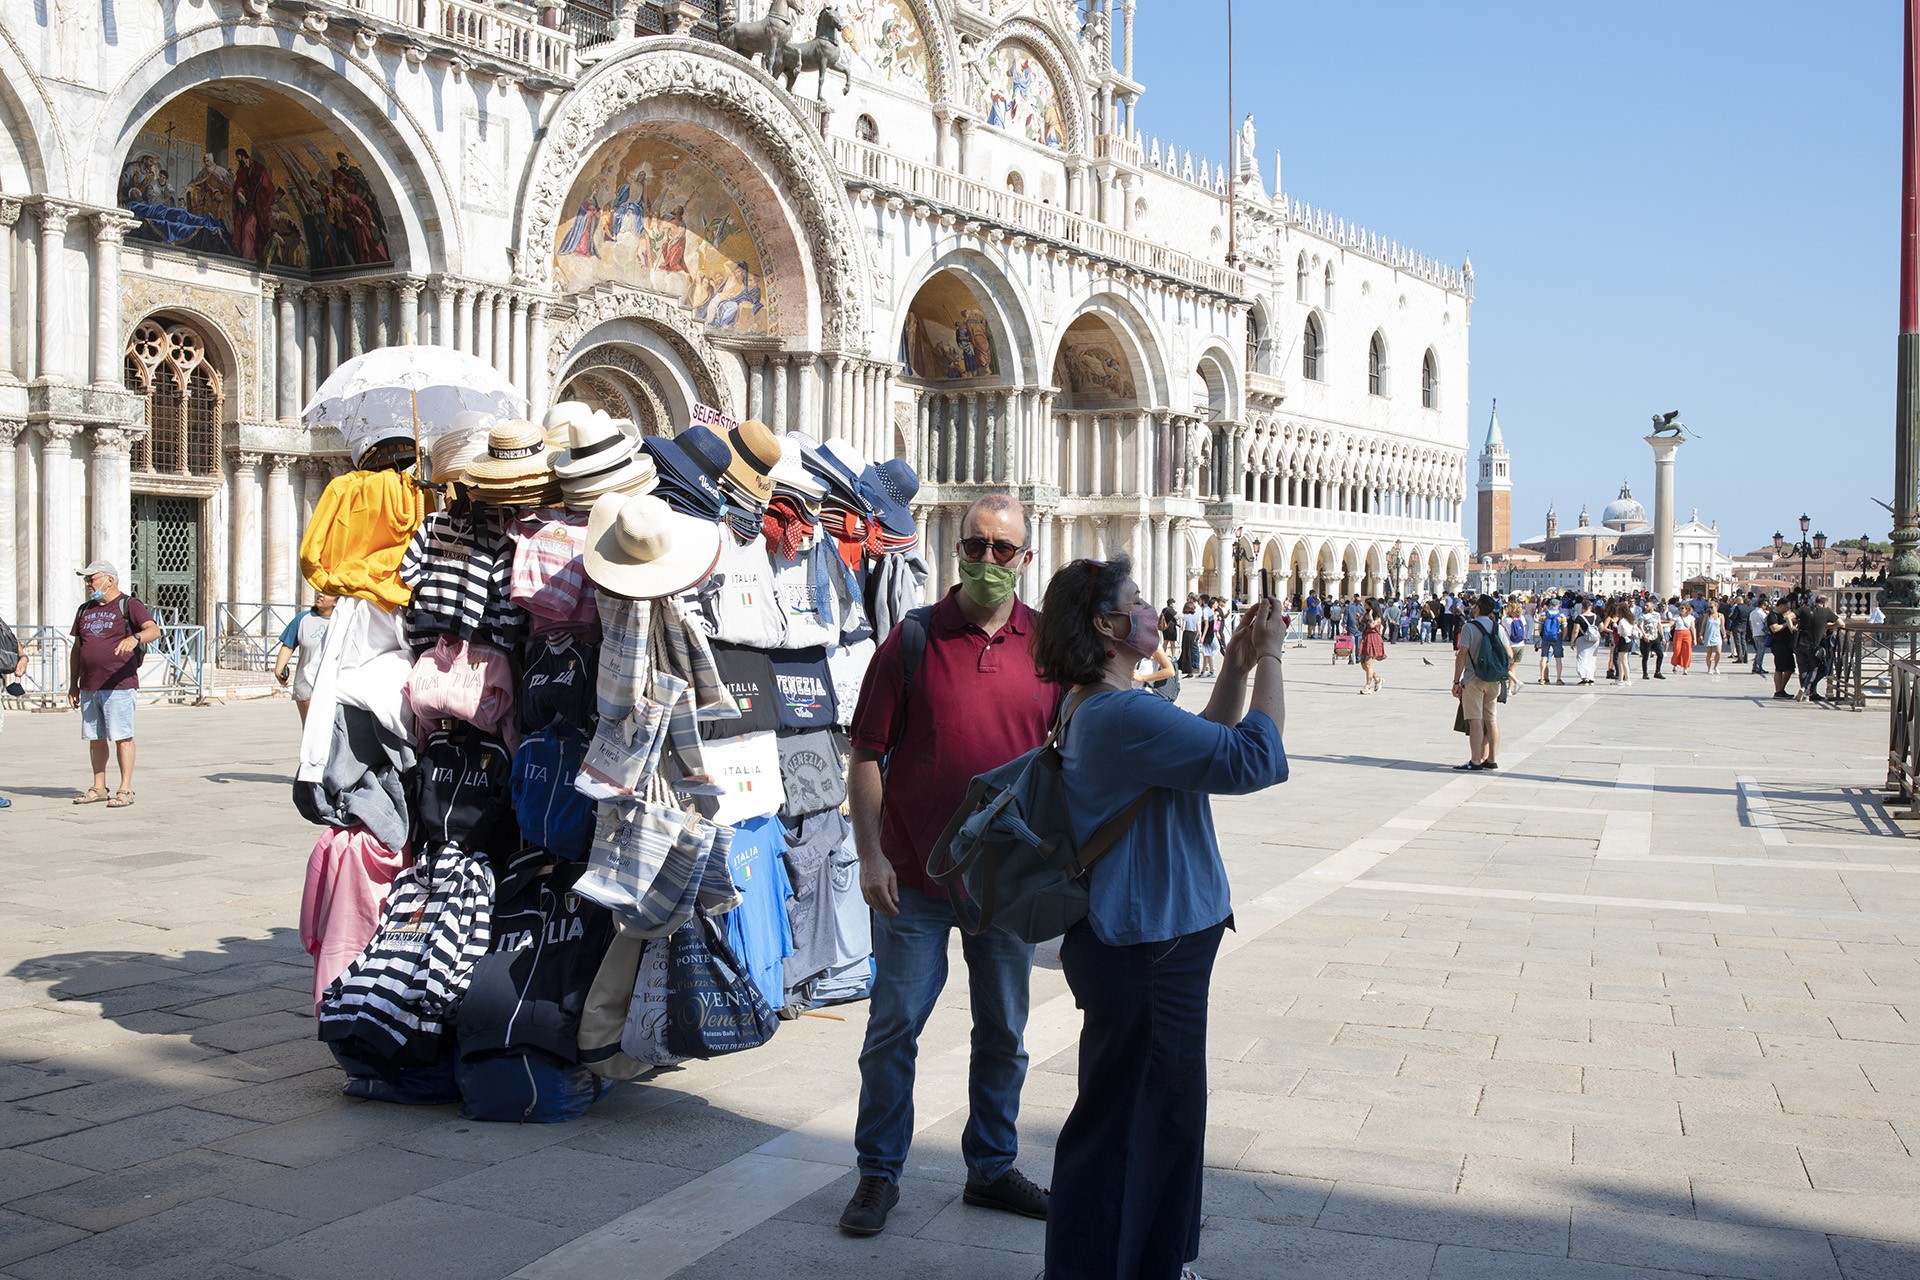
pixel 1495 492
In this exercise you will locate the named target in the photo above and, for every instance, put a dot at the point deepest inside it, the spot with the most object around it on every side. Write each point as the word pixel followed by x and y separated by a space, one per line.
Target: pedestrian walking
pixel 109 631
pixel 967 703
pixel 300 645
pixel 1209 635
pixel 1553 642
pixel 1127 1170
pixel 1516 625
pixel 1680 642
pixel 1373 649
pixel 1585 628
pixel 1780 630
pixel 1482 668
pixel 1737 629
pixel 1653 641
pixel 1190 637
pixel 1619 628
pixel 1713 637
pixel 13 665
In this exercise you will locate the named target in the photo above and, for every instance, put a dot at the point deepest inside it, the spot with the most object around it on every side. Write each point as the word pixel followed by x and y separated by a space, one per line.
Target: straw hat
pixel 459 445
pixel 756 452
pixel 592 444
pixel 559 421
pixel 791 472
pixel 516 457
pixel 640 548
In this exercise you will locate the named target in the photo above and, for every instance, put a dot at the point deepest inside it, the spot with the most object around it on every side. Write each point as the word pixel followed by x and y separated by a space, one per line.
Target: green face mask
pixel 988 585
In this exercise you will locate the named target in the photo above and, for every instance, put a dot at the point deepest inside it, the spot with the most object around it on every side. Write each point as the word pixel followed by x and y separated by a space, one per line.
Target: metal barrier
pixel 247 634
pixel 1864 656
pixel 175 670
pixel 1903 734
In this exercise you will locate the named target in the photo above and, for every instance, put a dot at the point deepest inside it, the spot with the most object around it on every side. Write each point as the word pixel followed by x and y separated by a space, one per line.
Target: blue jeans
pixel 909 972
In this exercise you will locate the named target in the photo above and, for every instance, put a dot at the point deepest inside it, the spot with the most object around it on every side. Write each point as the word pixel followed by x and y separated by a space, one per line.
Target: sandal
pixel 121 800
pixel 92 795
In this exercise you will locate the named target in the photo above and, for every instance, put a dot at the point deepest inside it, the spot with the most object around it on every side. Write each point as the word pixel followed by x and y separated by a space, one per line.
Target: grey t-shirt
pixel 309 639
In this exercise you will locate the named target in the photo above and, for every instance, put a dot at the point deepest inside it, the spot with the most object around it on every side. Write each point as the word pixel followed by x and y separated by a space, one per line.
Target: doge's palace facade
pixel 961 250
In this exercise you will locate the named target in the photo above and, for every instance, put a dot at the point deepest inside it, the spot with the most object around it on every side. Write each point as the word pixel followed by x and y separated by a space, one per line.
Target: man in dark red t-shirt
pixel 973 704
pixel 108 630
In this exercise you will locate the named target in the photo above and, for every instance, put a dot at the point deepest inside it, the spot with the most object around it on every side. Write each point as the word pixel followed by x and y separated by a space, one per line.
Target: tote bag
pixel 713 1007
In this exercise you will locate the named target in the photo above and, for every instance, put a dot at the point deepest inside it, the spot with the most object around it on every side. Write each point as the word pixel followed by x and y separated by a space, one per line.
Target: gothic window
pixel 1300 278
pixel 1253 343
pixel 1310 343
pixel 167 364
pixel 866 130
pixel 1016 183
pixel 1376 365
pixel 1429 381
pixel 1329 287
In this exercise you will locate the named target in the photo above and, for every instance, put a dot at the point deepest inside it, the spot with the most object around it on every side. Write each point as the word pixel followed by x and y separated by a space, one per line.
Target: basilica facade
pixel 947 238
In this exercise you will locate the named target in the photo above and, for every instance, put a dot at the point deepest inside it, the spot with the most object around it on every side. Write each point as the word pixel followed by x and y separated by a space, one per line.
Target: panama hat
pixel 640 548
pixel 601 458
pixel 559 421
pixel 635 473
pixel 791 472
pixel 888 490
pixel 516 456
pixel 756 452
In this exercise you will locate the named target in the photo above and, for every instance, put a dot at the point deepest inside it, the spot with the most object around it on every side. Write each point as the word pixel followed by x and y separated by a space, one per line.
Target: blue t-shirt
pixel 758 928
pixel 1163 878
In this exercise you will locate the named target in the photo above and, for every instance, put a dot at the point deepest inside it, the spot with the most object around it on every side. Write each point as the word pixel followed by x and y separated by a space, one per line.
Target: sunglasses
pixel 976 549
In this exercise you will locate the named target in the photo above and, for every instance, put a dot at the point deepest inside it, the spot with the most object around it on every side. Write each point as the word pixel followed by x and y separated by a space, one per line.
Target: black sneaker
pixel 866 1214
pixel 1013 1191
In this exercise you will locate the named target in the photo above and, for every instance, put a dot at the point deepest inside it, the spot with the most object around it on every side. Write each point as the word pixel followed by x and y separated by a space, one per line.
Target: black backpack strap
pixel 915 626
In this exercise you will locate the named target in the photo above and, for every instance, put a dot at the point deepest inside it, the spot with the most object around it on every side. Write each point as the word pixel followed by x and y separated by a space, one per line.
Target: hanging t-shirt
pixel 556 682
pixel 813 769
pixel 748 677
pixel 758 927
pixel 811 843
pixel 806 598
pixel 549 572
pixel 743 606
pixel 847 667
pixel 746 770
pixel 806 688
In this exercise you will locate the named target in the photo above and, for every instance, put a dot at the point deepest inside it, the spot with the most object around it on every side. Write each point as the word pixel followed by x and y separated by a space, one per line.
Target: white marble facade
pixel 1289 393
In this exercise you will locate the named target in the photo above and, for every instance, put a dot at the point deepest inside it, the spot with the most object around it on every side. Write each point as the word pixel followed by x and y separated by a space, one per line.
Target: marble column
pixel 59 558
pixel 244 559
pixel 56 346
pixel 944 449
pixel 1097 474
pixel 441 305
pixel 110 496
pixel 287 332
pixel 483 325
pixel 9 219
pixel 502 333
pixel 12 607
pixel 779 369
pixel 1665 582
pixel 359 324
pixel 537 389
pixel 517 353
pixel 407 296
pixel 1158 574
pixel 923 436
pixel 462 329
pixel 756 385
pixel 806 394
pixel 314 474
pixel 25 532
pixel 281 541
pixel 110 227
pixel 312 341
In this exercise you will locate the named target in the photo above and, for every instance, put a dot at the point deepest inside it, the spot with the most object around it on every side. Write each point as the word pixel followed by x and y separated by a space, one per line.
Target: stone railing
pixel 505 34
pixel 867 166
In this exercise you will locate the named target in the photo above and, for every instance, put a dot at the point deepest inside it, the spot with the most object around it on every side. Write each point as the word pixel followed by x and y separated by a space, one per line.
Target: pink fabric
pixel 347 877
pixel 550 574
pixel 459 680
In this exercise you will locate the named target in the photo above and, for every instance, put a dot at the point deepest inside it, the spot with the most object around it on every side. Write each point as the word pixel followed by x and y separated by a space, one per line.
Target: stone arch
pixel 399 157
pixel 630 374
pixel 1060 63
pixel 221 357
pixel 30 119
pixel 1138 338
pixel 1008 315
pixel 1221 374
pixel 673 84
pixel 1456 566
pixel 687 366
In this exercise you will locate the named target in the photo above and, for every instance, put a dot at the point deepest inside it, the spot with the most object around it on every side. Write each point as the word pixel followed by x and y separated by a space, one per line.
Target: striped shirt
pixel 550 573
pixel 460 566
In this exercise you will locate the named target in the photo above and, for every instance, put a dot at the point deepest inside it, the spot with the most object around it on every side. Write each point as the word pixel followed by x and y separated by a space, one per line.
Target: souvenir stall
pixel 578 736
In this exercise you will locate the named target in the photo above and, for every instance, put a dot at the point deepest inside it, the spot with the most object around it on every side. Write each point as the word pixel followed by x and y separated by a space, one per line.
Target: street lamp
pixel 1815 550
pixel 1396 561
pixel 1242 557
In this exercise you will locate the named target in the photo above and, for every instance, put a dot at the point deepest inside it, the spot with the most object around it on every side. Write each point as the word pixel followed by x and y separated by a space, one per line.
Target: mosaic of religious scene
pixel 946 338
pixel 886 43
pixel 1092 365
pixel 1021 97
pixel 647 214
pixel 237 171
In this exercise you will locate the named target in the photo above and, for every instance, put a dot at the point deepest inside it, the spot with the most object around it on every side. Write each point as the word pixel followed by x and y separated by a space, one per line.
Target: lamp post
pixel 1396 561
pixel 1815 550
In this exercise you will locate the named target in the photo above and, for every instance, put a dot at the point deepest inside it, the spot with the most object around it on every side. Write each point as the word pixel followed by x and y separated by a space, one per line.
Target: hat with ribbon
pixel 516 455
pixel 826 470
pixel 790 473
pixel 601 458
pixel 888 490
pixel 755 453
pixel 640 548
pixel 558 424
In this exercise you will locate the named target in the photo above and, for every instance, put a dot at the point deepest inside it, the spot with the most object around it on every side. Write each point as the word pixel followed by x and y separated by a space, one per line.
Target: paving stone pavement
pixel 1643 1004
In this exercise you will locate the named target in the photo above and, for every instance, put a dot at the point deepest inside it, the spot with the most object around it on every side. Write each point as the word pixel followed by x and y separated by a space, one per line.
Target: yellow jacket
pixel 359 532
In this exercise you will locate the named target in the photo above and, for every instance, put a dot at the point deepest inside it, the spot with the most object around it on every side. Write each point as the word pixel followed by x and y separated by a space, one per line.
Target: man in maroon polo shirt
pixel 973 703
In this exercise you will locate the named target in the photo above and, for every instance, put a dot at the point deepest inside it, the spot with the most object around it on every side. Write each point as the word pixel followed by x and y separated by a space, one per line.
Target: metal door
pixel 165 570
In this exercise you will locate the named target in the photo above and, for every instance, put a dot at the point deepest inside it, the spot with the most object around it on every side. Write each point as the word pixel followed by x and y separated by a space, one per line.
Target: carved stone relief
pixel 236 316
pixel 686 335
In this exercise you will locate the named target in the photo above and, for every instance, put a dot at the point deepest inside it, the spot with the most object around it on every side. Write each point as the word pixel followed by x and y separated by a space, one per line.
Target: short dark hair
pixel 1066 648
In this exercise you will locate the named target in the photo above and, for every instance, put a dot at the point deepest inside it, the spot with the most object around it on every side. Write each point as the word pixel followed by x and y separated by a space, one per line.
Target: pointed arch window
pixel 1429 381
pixel 1327 287
pixel 167 364
pixel 1376 365
pixel 1310 343
pixel 1300 278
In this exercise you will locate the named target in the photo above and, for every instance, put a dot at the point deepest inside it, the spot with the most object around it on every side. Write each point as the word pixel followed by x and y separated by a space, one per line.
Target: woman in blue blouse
pixel 1127 1170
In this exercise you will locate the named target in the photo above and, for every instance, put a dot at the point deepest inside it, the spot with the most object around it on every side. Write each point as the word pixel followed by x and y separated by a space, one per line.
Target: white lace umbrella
pixel 384 392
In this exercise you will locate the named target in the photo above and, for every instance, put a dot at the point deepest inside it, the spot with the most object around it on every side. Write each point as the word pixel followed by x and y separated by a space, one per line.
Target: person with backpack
pixel 951 694
pixel 1128 1164
pixel 1585 629
pixel 1553 624
pixel 110 633
pixel 1482 665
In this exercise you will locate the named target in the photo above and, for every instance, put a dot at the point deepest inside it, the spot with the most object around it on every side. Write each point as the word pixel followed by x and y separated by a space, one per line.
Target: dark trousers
pixel 1655 650
pixel 1127 1169
pixel 1189 653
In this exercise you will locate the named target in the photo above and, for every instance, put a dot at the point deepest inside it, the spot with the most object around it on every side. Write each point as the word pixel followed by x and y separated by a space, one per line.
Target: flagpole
pixel 1903 582
pixel 1233 158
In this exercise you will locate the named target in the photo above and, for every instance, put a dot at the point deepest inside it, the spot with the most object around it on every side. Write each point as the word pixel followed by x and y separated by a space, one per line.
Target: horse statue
pixel 823 53
pixel 766 37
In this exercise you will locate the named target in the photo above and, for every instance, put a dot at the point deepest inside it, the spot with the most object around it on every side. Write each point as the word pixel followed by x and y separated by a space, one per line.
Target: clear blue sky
pixel 1683 205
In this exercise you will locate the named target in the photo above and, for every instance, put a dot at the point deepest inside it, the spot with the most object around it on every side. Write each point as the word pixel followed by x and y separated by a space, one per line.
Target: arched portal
pixel 1300 569
pixel 626 380
pixel 1100 373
